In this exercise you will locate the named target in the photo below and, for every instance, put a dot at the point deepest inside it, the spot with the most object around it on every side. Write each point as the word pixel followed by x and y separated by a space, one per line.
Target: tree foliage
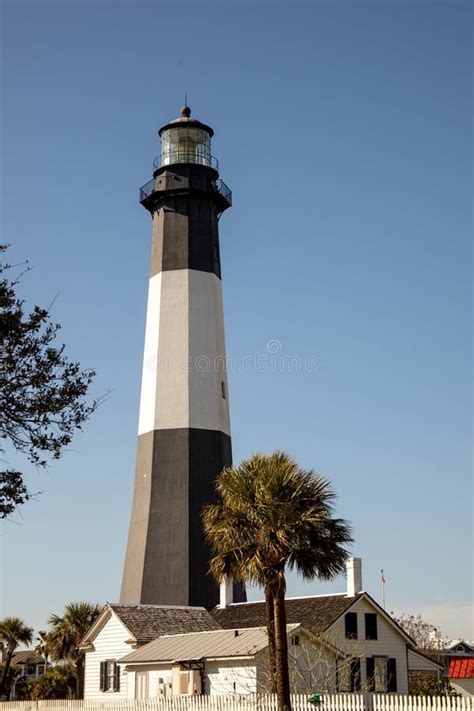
pixel 42 393
pixel 271 516
pixel 66 634
pixel 423 633
pixel 13 631
pixel 59 682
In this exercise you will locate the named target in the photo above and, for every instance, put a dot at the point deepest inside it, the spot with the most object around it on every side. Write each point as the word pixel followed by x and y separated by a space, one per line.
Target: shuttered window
pixel 109 676
pixel 351 625
pixel 370 625
pixel 381 674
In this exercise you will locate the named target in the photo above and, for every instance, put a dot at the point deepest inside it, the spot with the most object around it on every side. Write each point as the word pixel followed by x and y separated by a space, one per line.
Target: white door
pixel 141 685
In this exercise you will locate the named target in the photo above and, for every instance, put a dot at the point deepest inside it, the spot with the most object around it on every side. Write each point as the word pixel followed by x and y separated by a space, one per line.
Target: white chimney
pixel 226 593
pixel 354 576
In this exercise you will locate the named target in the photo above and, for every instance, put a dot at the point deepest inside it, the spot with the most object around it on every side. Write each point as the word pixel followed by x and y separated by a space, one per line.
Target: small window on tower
pixel 295 640
pixel 223 390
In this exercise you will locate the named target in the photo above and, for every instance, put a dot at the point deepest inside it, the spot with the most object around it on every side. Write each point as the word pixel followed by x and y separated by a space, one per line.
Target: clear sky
pixel 344 130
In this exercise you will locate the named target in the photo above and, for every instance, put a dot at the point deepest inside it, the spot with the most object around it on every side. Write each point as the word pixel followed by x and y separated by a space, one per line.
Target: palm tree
pixel 67 633
pixel 13 631
pixel 271 516
pixel 43 646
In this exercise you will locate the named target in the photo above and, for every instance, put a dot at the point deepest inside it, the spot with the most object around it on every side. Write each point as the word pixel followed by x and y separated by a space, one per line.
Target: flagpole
pixel 382 582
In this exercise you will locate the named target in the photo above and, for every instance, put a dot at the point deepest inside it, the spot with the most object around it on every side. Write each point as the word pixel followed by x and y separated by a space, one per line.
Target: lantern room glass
pixel 185 145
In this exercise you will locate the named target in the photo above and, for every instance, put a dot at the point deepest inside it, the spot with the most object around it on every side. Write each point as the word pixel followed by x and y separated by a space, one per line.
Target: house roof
pixel 27 656
pixel 200 645
pixel 315 613
pixel 461 668
pixel 146 622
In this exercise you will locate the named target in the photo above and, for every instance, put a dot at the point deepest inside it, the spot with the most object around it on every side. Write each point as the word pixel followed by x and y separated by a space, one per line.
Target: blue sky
pixel 345 132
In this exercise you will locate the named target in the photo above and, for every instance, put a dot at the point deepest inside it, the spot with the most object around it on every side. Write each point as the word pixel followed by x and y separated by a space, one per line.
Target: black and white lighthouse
pixel 184 430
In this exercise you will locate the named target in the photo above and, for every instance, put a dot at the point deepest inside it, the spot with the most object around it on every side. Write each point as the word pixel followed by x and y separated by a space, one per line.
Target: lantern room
pixel 186 140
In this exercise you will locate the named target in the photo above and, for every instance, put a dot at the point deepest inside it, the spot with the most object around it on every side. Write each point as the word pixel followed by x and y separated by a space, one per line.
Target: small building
pixel 461 675
pixel 27 666
pixel 382 654
pixel 231 661
pixel 120 629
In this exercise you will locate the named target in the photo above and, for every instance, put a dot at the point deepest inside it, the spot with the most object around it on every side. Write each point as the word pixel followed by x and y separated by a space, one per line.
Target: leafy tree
pixel 58 682
pixel 42 393
pixel 426 635
pixel 13 631
pixel 271 516
pixel 67 633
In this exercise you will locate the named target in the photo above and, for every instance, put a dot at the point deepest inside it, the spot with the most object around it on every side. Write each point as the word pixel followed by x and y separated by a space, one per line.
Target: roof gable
pixel 143 623
pixel 388 618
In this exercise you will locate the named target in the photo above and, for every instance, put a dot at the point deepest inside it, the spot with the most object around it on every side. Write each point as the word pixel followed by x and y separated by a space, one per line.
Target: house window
pixel 109 676
pixel 355 675
pixel 381 674
pixel 351 625
pixel 370 625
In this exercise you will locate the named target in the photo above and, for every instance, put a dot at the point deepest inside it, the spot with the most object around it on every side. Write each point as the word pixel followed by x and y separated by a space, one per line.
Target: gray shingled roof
pixel 26 656
pixel 201 645
pixel 146 622
pixel 315 613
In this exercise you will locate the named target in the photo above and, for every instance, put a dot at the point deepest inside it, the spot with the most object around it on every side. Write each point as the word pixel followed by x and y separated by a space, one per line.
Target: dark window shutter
pixel 370 625
pixel 116 677
pixel 355 675
pixel 351 625
pixel 391 674
pixel 103 666
pixel 370 674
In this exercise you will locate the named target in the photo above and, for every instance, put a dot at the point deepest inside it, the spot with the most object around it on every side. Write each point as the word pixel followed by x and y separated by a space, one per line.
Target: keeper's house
pixel 342 642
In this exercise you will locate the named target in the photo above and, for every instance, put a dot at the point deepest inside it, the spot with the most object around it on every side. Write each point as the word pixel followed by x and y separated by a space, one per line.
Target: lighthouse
pixel 184 429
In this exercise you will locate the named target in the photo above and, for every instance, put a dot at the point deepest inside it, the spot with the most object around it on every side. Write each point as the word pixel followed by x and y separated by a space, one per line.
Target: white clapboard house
pixel 119 629
pixel 340 642
pixel 378 653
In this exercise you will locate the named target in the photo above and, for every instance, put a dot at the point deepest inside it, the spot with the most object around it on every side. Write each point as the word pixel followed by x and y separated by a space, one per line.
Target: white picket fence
pixel 252 702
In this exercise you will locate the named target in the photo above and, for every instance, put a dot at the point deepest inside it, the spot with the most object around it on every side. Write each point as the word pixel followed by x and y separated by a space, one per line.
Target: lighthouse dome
pixel 186 140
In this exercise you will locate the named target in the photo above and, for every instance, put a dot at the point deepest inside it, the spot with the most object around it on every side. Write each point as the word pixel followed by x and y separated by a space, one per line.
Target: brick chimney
pixel 226 593
pixel 354 576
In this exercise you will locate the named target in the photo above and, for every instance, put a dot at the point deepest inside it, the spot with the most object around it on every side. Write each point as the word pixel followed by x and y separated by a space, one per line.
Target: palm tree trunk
pixel 270 614
pixel 80 677
pixel 281 647
pixel 6 669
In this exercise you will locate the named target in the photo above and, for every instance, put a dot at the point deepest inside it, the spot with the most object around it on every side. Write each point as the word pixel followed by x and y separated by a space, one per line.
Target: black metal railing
pixel 147 189
pixel 219 185
pixel 181 156
pixel 224 190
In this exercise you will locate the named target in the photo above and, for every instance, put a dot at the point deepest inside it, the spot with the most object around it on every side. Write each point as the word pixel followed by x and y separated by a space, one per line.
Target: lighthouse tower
pixel 184 431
